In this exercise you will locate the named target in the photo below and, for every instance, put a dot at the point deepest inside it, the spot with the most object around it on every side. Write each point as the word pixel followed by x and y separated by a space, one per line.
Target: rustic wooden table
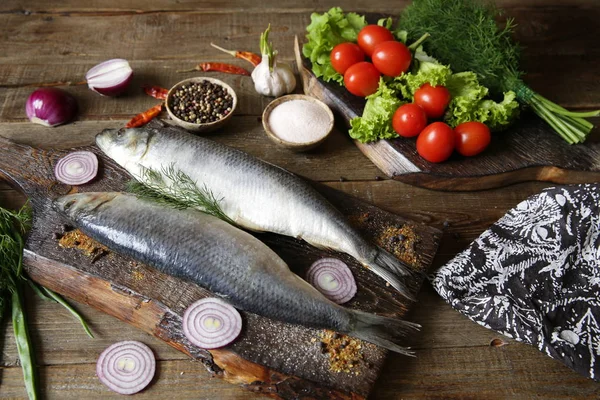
pixel 44 42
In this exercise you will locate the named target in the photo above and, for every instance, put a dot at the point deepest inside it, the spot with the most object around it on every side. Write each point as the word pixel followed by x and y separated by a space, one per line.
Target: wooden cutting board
pixel 270 357
pixel 528 150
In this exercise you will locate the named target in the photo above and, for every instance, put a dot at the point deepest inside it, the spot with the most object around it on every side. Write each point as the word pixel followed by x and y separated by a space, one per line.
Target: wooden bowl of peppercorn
pixel 201 104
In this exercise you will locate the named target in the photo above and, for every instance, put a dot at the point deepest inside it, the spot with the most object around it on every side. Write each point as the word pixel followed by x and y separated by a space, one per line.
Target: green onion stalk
pixel 13 226
pixel 466 36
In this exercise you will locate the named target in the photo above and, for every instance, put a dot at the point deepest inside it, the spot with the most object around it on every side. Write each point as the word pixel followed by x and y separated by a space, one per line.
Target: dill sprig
pixel 173 188
pixel 465 34
pixel 467 27
pixel 13 227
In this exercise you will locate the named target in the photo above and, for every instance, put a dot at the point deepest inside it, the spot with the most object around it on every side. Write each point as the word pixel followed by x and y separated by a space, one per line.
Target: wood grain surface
pixel 49 42
pixel 270 356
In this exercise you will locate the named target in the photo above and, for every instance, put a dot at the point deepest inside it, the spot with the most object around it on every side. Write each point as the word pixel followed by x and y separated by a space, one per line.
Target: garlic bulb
pixel 270 77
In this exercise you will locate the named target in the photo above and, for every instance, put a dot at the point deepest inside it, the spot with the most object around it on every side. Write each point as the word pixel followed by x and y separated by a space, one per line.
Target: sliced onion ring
pixel 211 323
pixel 110 78
pixel 76 168
pixel 333 279
pixel 126 367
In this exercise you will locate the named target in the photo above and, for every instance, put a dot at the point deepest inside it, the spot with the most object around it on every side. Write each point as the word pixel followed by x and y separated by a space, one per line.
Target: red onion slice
pixel 211 323
pixel 126 367
pixel 110 78
pixel 333 279
pixel 76 168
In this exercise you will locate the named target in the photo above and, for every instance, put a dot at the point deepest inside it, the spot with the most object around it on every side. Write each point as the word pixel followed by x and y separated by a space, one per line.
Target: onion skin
pixel 110 78
pixel 50 107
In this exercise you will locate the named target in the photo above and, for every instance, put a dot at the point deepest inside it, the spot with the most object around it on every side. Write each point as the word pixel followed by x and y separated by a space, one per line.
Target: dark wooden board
pixel 528 150
pixel 270 357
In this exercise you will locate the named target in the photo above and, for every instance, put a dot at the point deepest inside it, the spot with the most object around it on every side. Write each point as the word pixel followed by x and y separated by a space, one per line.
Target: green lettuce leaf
pixel 469 104
pixel 376 121
pixel 324 33
pixel 425 70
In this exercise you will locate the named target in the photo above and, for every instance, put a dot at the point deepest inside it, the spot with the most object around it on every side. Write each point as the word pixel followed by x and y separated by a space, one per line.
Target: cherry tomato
pixel 433 99
pixel 409 120
pixel 391 58
pixel 472 138
pixel 345 55
pixel 371 35
pixel 436 142
pixel 362 79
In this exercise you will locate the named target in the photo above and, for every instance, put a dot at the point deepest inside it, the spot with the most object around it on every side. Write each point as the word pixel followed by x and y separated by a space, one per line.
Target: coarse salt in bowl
pixel 297 122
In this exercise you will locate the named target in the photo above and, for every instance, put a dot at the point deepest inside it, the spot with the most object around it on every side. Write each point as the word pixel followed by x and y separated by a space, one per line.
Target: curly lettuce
pixel 324 33
pixel 376 121
pixel 469 103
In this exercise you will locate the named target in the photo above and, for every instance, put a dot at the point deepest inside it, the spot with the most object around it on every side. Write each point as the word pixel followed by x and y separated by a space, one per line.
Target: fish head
pixel 74 206
pixel 125 145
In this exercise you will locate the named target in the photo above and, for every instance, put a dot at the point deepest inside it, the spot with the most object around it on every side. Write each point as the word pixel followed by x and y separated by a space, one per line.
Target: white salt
pixel 299 121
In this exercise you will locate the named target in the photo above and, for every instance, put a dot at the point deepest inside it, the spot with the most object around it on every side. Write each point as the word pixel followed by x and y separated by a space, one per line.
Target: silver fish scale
pixel 247 186
pixel 209 252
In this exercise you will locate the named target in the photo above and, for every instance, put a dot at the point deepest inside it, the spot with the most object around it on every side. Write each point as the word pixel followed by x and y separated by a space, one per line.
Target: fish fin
pixel 381 330
pixel 392 279
pixel 388 261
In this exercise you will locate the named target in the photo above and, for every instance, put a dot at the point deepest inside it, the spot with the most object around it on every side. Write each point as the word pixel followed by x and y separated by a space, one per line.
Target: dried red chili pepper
pixel 252 58
pixel 145 117
pixel 157 92
pixel 220 67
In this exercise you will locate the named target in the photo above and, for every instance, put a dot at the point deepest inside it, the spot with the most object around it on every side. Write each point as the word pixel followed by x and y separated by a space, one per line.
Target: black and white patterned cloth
pixel 535 276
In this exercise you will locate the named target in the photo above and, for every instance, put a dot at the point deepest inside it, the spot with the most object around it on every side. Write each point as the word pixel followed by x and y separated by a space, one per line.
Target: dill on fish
pixel 173 188
pixel 13 226
pixel 465 35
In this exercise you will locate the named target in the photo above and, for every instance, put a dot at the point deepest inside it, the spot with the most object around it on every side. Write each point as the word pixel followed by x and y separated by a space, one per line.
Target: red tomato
pixel 409 120
pixel 371 35
pixel 391 58
pixel 345 55
pixel 472 138
pixel 433 99
pixel 436 142
pixel 362 79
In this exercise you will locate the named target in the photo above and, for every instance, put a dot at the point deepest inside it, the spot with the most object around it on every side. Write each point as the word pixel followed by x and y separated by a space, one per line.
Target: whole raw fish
pixel 226 260
pixel 256 195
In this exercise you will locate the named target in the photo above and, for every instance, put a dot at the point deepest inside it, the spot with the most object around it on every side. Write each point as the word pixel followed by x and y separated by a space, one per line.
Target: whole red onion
pixel 50 106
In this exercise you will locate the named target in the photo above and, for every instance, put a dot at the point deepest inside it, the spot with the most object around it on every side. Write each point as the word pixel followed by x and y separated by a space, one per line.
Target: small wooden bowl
pixel 293 145
pixel 203 127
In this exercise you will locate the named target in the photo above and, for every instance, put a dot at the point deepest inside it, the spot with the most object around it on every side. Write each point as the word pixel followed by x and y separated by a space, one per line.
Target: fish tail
pixel 382 330
pixel 392 279
pixel 388 261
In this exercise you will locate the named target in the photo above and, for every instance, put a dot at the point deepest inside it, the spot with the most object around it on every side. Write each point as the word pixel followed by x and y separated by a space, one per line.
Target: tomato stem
pixel 415 45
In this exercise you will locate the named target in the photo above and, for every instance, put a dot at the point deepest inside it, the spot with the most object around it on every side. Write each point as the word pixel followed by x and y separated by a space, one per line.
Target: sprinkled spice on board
pixel 78 240
pixel 345 352
pixel 201 102
pixel 299 121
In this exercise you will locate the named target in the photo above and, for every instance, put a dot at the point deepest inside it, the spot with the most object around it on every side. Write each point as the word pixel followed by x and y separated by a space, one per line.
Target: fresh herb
pixel 324 33
pixel 465 35
pixel 13 226
pixel 174 188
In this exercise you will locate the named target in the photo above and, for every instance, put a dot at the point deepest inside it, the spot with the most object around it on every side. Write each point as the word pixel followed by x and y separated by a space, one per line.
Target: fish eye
pixel 120 132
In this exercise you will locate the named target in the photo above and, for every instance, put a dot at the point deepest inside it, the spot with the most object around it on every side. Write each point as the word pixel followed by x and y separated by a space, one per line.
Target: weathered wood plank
pixel 155 302
pixel 269 6
pixel 336 158
pixel 515 371
pixel 180 379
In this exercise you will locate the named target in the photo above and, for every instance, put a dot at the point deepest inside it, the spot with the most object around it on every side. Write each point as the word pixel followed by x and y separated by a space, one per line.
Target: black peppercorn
pixel 202 102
